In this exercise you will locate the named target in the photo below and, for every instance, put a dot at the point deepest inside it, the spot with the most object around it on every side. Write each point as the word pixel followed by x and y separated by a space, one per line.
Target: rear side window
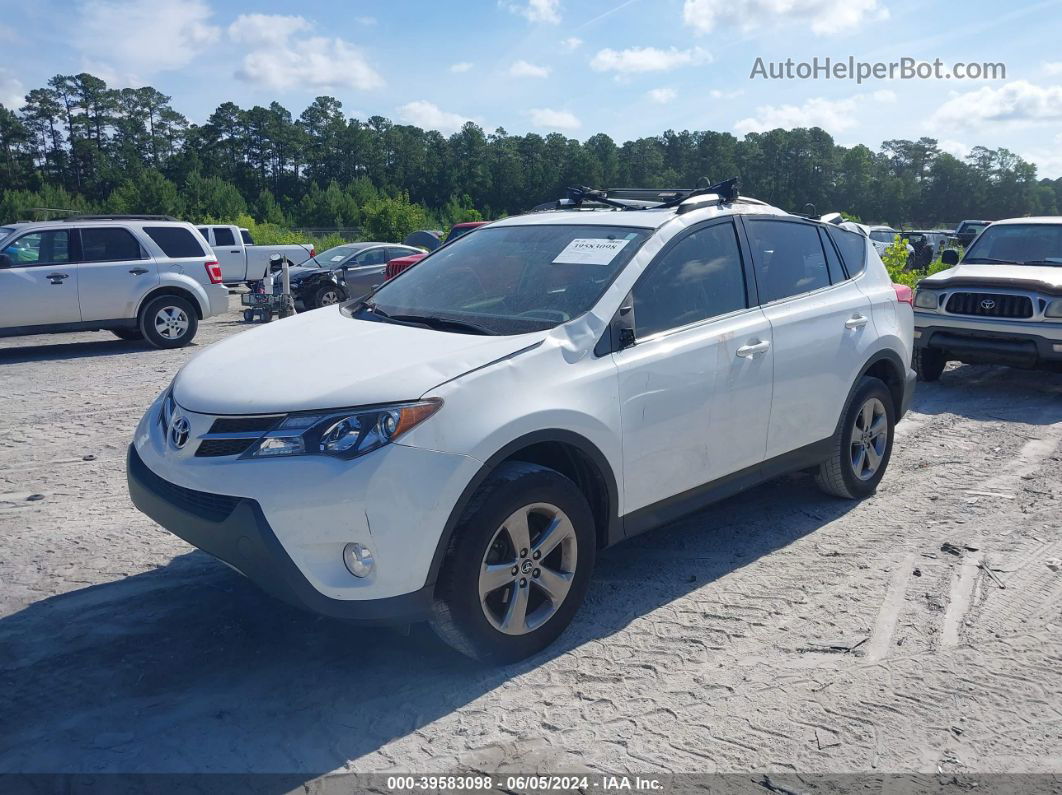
pixel 853 248
pixel 175 241
pixel 109 244
pixel 223 236
pixel 205 232
pixel 246 237
pixel 832 260
pixel 698 278
pixel 789 258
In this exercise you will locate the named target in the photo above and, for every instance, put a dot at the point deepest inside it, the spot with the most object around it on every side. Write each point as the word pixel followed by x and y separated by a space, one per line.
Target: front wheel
pixel 326 295
pixel 168 321
pixel 518 565
pixel 928 363
pixel 863 444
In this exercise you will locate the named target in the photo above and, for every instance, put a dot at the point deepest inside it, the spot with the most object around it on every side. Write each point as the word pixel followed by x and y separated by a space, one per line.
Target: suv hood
pixel 1043 277
pixel 324 359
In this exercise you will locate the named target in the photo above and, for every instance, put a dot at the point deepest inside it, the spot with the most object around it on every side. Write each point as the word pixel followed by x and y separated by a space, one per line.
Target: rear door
pixel 695 388
pixel 114 274
pixel 821 324
pixel 230 253
pixel 40 286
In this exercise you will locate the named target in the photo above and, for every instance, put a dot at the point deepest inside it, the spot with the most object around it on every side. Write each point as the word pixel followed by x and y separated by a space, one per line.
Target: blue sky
pixel 624 67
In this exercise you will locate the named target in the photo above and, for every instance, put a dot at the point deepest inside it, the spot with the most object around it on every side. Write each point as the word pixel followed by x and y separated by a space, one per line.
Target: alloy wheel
pixel 528 569
pixel 171 322
pixel 870 436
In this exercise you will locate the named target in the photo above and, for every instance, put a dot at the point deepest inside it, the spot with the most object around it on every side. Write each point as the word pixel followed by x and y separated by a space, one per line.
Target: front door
pixel 114 275
pixel 40 286
pixel 695 388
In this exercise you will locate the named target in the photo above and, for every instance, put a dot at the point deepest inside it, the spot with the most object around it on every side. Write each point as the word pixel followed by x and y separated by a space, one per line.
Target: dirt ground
pixel 781 630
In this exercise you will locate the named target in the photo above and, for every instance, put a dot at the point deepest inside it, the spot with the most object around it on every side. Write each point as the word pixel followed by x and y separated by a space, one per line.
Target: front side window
pixel 510 279
pixel 50 247
pixel 223 236
pixel 1020 244
pixel 700 277
pixel 789 258
pixel 108 244
pixel 375 256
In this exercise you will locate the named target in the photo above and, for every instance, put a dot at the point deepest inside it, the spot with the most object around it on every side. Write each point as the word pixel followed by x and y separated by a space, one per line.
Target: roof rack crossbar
pixel 727 191
pixel 118 217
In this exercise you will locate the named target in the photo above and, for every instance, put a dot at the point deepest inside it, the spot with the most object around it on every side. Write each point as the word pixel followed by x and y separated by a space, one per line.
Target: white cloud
pixel 367 21
pixel 12 92
pixel 884 95
pixel 461 66
pixel 535 10
pixel 662 96
pixel 281 60
pixel 715 93
pixel 1020 103
pixel 646 59
pixel 430 116
pixel 834 116
pixel 1052 68
pixel 266 29
pixel 554 119
pixel 954 148
pixel 145 36
pixel 572 43
pixel 1048 161
pixel 824 17
pixel 525 69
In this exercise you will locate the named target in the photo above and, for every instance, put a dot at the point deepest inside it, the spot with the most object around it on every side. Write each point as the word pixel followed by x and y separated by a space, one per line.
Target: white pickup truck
pixel 241 260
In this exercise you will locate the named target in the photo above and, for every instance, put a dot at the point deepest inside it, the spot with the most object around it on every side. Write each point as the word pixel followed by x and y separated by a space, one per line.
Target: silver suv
pixel 1002 304
pixel 140 277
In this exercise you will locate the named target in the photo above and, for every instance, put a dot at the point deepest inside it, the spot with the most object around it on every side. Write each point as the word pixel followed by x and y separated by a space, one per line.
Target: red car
pixel 399 264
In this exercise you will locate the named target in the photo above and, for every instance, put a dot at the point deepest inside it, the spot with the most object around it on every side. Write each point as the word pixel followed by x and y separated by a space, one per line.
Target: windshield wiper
pixel 1053 261
pixel 433 321
pixel 979 260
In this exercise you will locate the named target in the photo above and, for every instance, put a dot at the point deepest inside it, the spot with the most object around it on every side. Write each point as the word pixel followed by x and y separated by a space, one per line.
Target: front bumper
pixel 980 345
pixel 235 530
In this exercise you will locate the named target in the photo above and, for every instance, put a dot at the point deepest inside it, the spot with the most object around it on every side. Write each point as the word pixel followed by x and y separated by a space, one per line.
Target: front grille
pixel 213 507
pixel 990 305
pixel 241 424
pixel 214 448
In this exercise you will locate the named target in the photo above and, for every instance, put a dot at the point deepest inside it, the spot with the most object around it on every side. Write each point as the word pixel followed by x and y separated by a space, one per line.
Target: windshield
pixel 1018 243
pixel 5 231
pixel 511 279
pixel 335 256
pixel 882 235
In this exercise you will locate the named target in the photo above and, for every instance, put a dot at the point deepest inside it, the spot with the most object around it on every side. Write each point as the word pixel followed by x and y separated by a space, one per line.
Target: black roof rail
pixel 118 217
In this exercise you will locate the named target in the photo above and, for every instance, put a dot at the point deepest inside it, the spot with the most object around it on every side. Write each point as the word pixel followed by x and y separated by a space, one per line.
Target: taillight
pixel 904 294
pixel 313 251
pixel 213 271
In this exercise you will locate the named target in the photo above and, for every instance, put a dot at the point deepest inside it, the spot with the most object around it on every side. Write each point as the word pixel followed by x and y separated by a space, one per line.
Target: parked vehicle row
pixel 141 277
pixel 483 424
pixel 241 260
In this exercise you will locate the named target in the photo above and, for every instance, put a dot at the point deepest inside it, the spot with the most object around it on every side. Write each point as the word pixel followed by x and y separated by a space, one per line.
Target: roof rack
pixel 119 217
pixel 640 198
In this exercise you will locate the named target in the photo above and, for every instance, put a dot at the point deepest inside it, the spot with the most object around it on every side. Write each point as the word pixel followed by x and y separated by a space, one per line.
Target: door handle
pixel 753 349
pixel 57 278
pixel 234 251
pixel 138 271
pixel 855 321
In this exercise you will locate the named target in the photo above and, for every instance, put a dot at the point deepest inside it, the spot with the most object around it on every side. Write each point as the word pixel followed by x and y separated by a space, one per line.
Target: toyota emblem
pixel 180 429
pixel 988 303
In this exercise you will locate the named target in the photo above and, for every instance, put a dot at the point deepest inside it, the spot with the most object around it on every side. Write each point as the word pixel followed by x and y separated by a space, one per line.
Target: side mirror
pixel 6 261
pixel 950 257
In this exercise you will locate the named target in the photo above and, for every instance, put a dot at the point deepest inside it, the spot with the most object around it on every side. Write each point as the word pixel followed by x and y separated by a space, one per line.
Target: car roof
pixel 645 219
pixel 1039 219
pixel 62 223
pixel 881 228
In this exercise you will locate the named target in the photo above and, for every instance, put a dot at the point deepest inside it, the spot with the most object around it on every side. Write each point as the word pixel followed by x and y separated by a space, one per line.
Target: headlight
pixel 342 434
pixel 1054 309
pixel 927 299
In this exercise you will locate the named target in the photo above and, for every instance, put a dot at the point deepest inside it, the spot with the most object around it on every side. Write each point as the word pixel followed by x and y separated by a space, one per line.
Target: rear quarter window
pixel 853 249
pixel 175 241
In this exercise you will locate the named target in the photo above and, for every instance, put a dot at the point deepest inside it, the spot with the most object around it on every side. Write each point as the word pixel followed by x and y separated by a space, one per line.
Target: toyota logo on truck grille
pixel 180 429
pixel 988 304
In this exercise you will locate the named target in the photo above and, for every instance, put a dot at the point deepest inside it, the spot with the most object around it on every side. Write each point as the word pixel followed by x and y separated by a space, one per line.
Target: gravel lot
pixel 781 630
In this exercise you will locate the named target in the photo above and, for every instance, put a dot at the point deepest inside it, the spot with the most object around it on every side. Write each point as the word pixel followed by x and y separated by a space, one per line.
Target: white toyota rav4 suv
pixel 459 445
pixel 141 277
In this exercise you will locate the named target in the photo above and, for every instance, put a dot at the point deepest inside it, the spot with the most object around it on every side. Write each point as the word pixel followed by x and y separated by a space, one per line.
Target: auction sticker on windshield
pixel 590 251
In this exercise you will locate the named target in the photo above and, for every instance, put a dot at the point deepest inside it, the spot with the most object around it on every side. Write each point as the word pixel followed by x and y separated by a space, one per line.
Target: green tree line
pixel 78 144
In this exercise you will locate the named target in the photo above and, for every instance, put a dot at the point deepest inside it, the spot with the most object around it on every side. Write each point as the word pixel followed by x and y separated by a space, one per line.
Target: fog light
pixel 1057 348
pixel 917 334
pixel 358 559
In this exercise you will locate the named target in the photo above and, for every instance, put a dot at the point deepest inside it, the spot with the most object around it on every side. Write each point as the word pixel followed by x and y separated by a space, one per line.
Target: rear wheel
pixel 863 444
pixel 928 363
pixel 518 566
pixel 168 321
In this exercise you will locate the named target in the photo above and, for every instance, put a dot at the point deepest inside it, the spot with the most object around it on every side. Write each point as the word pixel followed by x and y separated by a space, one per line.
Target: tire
pixel 130 334
pixel 850 471
pixel 476 626
pixel 327 295
pixel 168 321
pixel 928 363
